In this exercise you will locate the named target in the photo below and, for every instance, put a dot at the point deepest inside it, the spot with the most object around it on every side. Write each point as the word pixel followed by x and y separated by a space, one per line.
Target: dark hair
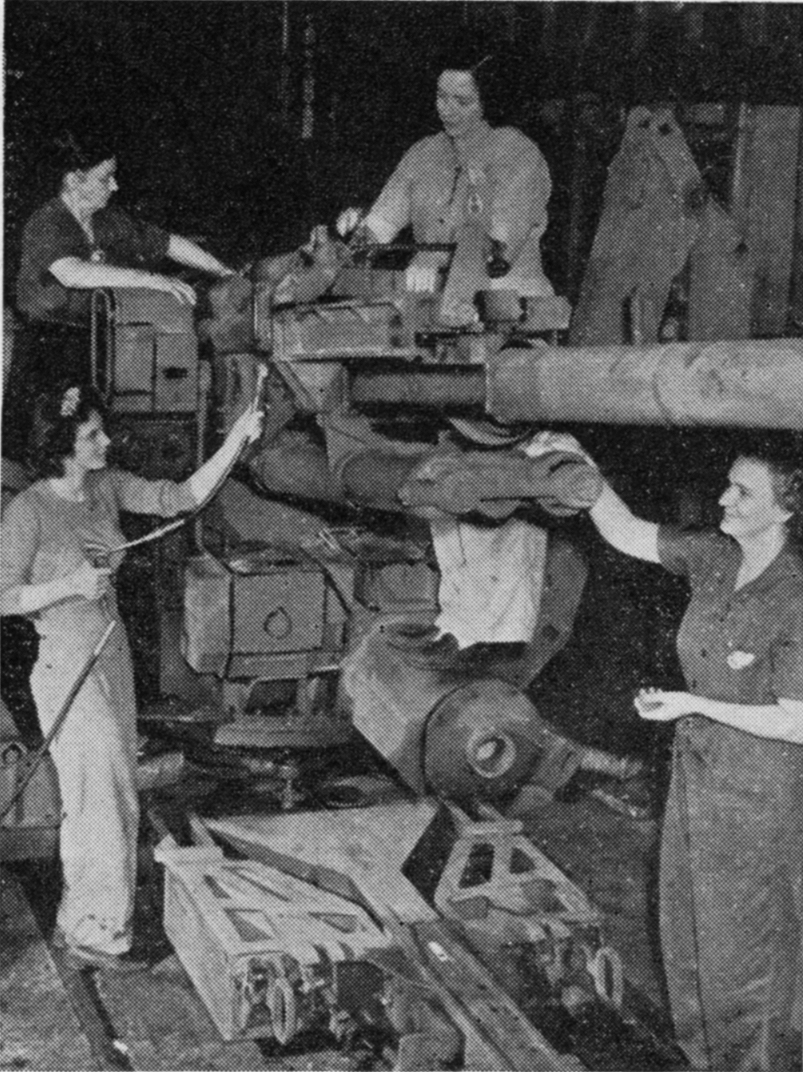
pixel 783 456
pixel 483 67
pixel 57 417
pixel 72 153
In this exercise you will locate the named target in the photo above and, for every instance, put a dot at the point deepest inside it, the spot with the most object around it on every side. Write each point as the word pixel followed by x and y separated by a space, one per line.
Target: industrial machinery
pixel 307 603
pixel 385 409
pixel 444 939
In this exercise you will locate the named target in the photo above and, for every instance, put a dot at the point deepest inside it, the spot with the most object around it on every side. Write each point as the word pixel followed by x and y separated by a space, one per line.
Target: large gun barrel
pixel 748 383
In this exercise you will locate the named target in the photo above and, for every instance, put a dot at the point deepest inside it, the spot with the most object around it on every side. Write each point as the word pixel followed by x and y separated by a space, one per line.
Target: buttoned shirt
pixel 497 172
pixel 740 646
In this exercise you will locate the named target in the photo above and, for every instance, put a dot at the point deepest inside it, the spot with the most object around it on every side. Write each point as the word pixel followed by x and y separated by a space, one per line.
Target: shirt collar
pixel 786 565
pixel 476 139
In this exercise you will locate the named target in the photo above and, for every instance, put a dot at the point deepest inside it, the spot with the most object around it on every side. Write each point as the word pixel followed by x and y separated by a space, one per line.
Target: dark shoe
pixel 118 963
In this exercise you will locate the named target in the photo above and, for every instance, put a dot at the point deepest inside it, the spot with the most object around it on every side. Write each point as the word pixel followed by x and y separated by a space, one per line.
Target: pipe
pixel 747 383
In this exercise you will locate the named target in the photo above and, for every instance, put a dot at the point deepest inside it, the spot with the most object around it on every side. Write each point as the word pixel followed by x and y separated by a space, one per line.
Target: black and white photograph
pixel 401 546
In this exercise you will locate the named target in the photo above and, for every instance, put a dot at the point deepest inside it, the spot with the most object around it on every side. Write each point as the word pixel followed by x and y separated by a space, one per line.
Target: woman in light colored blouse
pixel 51 533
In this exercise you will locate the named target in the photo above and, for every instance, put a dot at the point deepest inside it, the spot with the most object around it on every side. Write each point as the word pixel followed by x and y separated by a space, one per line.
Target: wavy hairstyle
pixel 68 153
pixel 57 417
pixel 783 456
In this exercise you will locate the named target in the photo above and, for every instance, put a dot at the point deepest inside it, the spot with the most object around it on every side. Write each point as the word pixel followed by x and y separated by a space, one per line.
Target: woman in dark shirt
pixel 732 841
pixel 76 243
pixel 72 245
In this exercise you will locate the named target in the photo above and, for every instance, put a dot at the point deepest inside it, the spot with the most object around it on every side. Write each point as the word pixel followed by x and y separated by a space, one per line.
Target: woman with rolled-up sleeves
pixel 468 167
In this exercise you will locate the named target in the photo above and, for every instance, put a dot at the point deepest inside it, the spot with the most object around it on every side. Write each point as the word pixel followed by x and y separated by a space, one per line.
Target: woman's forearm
pixel 204 480
pixel 29 598
pixel 620 527
pixel 84 275
pixel 77 274
pixel 781 722
pixel 188 253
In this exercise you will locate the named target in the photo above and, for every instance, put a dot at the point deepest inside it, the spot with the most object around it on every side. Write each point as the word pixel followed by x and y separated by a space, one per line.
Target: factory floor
pixel 54 1018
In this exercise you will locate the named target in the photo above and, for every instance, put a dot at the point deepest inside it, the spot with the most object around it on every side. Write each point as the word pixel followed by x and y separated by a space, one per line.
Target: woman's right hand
pixel 547 442
pixel 347 221
pixel 421 278
pixel 89 581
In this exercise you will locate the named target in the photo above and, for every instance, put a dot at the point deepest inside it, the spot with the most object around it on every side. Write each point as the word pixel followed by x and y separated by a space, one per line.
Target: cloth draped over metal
pixel 651 216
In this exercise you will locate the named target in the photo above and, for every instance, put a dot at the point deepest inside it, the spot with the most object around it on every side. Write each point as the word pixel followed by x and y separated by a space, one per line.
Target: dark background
pixel 244 122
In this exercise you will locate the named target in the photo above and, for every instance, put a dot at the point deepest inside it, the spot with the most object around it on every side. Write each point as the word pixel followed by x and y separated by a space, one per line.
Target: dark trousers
pixel 731 873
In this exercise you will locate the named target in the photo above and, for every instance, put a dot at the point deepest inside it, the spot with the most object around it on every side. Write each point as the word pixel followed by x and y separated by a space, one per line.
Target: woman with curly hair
pixel 50 535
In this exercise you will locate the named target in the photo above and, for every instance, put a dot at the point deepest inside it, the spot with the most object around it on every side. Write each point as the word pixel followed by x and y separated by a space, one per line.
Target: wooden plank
pixel 497 1033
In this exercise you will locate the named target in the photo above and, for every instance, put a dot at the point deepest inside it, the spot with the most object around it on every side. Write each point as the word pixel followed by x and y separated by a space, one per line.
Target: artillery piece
pixel 379 401
pixel 456 722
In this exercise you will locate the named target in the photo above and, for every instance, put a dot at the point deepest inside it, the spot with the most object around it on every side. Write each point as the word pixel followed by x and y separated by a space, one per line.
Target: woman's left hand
pixel 659 706
pixel 248 426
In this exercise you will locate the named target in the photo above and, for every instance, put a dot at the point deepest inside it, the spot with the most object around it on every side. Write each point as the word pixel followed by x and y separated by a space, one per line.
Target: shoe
pixel 119 963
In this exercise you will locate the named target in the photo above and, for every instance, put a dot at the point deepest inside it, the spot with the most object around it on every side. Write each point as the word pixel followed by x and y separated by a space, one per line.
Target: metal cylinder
pixel 742 383
pixel 748 383
pixel 481 742
pixel 445 729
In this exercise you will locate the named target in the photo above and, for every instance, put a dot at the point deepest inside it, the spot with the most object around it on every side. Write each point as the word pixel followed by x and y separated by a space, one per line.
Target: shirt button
pixel 704 653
